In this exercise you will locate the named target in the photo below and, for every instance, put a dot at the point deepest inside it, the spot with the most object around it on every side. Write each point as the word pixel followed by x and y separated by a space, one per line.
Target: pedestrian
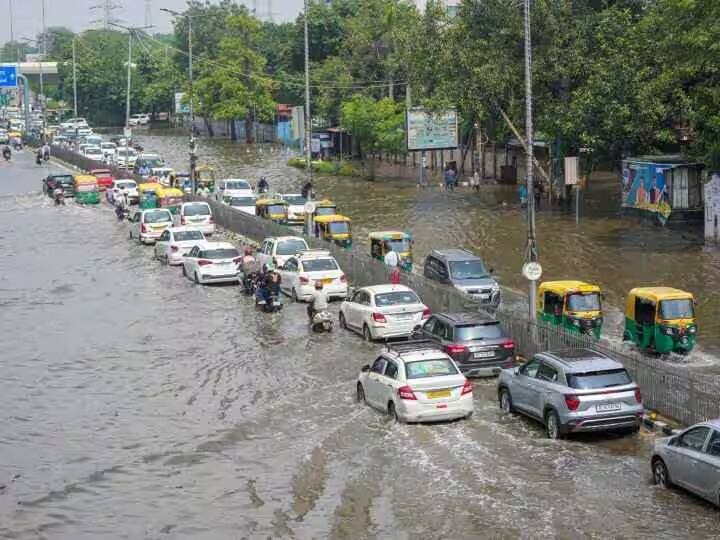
pixel 307 190
pixel 537 193
pixel 523 195
pixel 475 181
pixel 394 276
pixel 391 258
pixel 450 179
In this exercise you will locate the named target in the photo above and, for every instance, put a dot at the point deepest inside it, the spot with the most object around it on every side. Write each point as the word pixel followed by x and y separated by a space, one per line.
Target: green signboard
pixel 427 130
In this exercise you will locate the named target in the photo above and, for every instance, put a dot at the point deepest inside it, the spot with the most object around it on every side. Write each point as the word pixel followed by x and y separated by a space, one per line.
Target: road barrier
pixel 670 390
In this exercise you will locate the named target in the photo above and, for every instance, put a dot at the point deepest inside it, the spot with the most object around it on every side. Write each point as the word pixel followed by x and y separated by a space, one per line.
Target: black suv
pixel 476 341
pixel 464 271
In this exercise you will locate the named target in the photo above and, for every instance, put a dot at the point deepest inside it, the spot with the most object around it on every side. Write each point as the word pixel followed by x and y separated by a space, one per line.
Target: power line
pixel 107 7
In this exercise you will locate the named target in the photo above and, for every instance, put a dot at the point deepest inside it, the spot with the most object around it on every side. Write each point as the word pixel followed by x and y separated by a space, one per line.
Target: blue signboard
pixel 8 76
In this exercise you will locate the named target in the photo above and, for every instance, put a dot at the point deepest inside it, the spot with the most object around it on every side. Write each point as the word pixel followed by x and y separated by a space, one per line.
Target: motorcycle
pixel 59 198
pixel 267 301
pixel 7 154
pixel 38 159
pixel 121 213
pixel 322 322
pixel 249 283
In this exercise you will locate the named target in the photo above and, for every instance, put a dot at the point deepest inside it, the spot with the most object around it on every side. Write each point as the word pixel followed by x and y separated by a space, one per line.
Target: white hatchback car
pixel 212 262
pixel 280 248
pixel 146 226
pixel 244 204
pixel 296 208
pixel 301 271
pixel 175 243
pixel 198 215
pixel 93 152
pixel 123 185
pixel 233 187
pixel 383 312
pixel 415 381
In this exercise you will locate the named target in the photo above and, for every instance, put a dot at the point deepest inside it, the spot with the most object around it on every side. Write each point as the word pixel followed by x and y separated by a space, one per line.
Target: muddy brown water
pixel 138 405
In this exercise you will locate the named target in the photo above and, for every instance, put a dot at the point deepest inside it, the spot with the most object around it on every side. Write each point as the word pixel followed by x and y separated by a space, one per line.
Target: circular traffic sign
pixel 309 207
pixel 532 271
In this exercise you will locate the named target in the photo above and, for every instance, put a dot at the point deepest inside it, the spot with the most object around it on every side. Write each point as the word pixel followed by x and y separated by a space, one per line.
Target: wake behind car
pixel 572 391
pixel 415 381
pixel 175 242
pixel 383 312
pixel 146 226
pixel 302 270
pixel 212 262
pixel 464 271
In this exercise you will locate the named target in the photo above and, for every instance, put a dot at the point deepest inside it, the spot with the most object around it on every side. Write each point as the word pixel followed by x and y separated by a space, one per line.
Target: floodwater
pixel 136 404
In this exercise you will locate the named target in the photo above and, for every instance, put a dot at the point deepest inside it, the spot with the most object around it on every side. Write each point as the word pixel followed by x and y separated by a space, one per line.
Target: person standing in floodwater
pixel 523 195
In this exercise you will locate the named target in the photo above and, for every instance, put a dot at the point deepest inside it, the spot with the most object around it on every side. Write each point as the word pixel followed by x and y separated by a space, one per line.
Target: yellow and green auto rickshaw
pixel 324 207
pixel 573 305
pixel 382 242
pixel 170 198
pixel 660 319
pixel 148 195
pixel 335 229
pixel 86 189
pixel 205 179
pixel 273 209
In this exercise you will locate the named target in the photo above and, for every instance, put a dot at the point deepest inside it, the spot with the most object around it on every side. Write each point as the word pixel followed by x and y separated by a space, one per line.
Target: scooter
pixel 322 322
pixel 7 154
pixel 267 301
pixel 121 213
pixel 38 159
pixel 59 199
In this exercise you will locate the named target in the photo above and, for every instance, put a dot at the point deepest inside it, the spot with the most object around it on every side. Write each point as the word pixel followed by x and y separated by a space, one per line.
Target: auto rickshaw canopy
pixel 565 287
pixel 653 295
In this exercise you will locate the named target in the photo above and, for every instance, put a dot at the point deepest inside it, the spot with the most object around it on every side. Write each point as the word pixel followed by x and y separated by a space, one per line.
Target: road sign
pixel 428 130
pixel 8 77
pixel 309 207
pixel 572 164
pixel 127 133
pixel 532 271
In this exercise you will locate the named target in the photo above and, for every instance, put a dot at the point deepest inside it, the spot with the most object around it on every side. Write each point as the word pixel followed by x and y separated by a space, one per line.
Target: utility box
pixel 712 209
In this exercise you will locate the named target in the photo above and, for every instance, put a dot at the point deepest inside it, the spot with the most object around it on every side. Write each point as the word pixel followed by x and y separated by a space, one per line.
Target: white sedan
pixel 175 243
pixel 416 382
pixel 118 187
pixel 383 312
pixel 212 262
pixel 301 271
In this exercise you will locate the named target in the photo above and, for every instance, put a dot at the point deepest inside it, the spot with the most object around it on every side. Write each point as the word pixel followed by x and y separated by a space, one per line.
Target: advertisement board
pixel 427 130
pixel 180 107
pixel 644 187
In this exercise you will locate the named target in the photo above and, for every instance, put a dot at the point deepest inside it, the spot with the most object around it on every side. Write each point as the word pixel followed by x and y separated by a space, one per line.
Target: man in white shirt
pixel 391 258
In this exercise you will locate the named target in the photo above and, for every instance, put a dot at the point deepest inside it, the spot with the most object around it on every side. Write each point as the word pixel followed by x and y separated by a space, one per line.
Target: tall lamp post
pixel 308 122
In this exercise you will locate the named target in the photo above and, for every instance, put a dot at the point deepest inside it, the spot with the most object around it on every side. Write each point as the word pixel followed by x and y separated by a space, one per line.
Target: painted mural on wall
pixel 645 188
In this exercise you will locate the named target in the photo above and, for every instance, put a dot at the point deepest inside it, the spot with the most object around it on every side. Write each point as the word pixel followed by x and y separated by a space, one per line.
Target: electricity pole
pixel 308 122
pixel 74 78
pixel 42 59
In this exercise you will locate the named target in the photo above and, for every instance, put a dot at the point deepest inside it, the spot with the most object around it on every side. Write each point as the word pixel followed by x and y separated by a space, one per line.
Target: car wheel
pixel 343 323
pixel 661 477
pixel 552 425
pixel 294 296
pixel 367 336
pixel 392 412
pixel 360 394
pixel 197 279
pixel 506 403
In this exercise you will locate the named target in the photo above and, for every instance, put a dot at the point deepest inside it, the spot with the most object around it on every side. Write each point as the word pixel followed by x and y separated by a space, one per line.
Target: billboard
pixel 180 106
pixel 427 130
pixel 8 76
pixel 644 187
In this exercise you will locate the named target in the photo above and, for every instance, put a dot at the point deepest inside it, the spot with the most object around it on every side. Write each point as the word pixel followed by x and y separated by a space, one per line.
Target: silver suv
pixel 572 391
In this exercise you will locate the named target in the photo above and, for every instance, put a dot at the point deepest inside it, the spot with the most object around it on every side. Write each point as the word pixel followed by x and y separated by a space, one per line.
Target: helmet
pixel 319 285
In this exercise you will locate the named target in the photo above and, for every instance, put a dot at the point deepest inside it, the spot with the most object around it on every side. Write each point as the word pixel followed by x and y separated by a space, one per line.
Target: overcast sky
pixel 77 15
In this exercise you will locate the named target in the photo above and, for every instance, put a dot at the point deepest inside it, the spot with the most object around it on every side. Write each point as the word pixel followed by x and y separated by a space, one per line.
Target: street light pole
pixel 74 78
pixel 308 122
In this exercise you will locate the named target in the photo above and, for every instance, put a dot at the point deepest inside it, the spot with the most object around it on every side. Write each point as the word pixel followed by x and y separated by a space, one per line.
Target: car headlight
pixel 692 329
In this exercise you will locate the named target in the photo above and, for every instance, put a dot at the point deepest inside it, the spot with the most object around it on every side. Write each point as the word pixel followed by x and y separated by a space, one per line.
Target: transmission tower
pixel 267 14
pixel 107 7
pixel 148 12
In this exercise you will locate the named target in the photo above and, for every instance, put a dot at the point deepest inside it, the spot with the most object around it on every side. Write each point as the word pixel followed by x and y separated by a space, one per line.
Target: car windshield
pixel 242 201
pixel 220 253
pixel 473 269
pixel 158 216
pixel 93 151
pixel 152 161
pixel 277 209
pixel 237 184
pixel 339 227
pixel 295 200
pixel 677 309
pixel 127 185
pixel 290 247
pixel 182 236
pixel 319 265
pixel 478 331
pixel 423 369
pixel 325 211
pixel 63 179
pixel 598 379
pixel 396 298
pixel 108 146
pixel 196 210
pixel 398 246
pixel 583 302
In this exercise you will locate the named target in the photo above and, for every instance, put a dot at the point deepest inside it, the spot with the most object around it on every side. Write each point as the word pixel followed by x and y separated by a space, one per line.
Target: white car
pixel 146 226
pixel 301 271
pixel 383 312
pixel 124 185
pixel 416 382
pixel 280 248
pixel 109 150
pixel 244 204
pixel 93 152
pixel 296 208
pixel 233 188
pixel 212 262
pixel 174 243
pixel 139 120
pixel 198 215
pixel 126 157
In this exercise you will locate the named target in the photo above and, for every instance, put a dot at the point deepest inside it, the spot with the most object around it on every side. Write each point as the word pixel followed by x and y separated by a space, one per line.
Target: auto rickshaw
pixel 335 229
pixel 382 242
pixel 324 207
pixel 573 305
pixel 205 179
pixel 170 198
pixel 86 189
pixel 148 195
pixel 273 209
pixel 660 319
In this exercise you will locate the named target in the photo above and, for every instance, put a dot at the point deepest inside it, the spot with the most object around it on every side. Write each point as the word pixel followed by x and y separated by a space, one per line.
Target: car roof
pixel 479 317
pixel 145 210
pixel 582 360
pixel 413 350
pixel 314 254
pixel 183 228
pixel 190 203
pixel 454 254
pixel 218 245
pixel 282 238
pixel 379 289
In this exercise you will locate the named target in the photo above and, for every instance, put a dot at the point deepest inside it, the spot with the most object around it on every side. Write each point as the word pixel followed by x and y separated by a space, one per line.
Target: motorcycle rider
pixel 319 301
pixel 39 156
pixel 46 152
pixel 58 194
pixel 122 204
pixel 263 185
pixel 7 153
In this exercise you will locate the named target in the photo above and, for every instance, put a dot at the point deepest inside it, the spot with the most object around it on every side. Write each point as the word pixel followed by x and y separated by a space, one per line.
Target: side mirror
pixel 365 368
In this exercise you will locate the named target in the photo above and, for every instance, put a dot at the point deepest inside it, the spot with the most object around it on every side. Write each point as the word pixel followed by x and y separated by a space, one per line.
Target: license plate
pixel 158 227
pixel 437 394
pixel 404 316
pixel 327 281
pixel 608 407
pixel 276 303
pixel 484 354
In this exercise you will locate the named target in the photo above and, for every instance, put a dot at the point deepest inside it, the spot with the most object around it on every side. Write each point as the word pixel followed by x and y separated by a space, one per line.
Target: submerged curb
pixel 654 422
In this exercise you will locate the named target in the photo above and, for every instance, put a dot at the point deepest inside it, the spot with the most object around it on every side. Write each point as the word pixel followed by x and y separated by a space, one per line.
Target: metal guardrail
pixel 671 390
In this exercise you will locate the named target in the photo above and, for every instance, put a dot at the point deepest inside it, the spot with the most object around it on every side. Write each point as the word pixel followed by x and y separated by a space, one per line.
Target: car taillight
pixel 343 279
pixel 303 280
pixel 405 392
pixel 509 344
pixel 638 395
pixel 174 248
pixel 204 262
pixel 467 388
pixel 143 228
pixel 426 313
pixel 379 317
pixel 572 402
pixel 456 349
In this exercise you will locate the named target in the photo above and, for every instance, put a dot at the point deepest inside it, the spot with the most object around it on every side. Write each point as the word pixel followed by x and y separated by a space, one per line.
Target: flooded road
pixel 138 405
